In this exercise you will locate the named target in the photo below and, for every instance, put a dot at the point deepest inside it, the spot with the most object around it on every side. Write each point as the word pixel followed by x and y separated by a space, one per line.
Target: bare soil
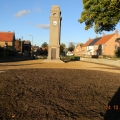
pixel 87 91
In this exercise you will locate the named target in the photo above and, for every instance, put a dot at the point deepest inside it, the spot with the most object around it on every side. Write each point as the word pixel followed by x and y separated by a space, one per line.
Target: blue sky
pixel 31 17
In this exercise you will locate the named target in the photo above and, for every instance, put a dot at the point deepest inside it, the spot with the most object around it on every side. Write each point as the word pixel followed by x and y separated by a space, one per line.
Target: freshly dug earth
pixel 59 94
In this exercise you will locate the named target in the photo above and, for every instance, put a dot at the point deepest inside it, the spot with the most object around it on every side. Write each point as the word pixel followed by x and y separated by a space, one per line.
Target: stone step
pixel 53 61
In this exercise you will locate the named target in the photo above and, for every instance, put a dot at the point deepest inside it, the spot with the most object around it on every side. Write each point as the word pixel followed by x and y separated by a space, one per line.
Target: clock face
pixel 54 22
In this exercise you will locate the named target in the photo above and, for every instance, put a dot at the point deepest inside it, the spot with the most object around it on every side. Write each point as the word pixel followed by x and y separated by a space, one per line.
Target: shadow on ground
pixel 113 108
pixel 12 64
pixel 16 59
pixel 59 94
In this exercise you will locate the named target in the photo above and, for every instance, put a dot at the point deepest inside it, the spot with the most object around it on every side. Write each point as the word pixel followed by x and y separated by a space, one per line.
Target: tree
pixel 118 40
pixel 103 14
pixel 71 46
pixel 44 45
pixel 62 47
pixel 117 52
pixel 81 44
pixel 44 49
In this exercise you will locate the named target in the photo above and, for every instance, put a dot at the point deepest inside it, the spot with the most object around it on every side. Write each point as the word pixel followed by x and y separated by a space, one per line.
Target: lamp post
pixel 32 45
pixel 21 44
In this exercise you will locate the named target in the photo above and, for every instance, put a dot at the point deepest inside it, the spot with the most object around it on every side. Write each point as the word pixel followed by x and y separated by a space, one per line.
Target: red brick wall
pixel 110 45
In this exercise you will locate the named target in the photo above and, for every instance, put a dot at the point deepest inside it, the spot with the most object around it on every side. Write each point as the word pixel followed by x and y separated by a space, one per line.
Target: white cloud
pixel 44 26
pixel 22 12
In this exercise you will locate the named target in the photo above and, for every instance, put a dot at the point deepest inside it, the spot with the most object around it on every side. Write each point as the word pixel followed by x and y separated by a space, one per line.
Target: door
pixel 53 53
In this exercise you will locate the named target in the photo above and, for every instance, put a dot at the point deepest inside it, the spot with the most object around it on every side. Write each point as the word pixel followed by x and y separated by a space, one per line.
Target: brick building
pixel 105 45
pixel 7 38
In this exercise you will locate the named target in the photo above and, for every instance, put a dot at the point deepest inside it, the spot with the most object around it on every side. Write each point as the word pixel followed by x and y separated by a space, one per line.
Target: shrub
pixel 95 56
pixel 117 53
pixel 71 58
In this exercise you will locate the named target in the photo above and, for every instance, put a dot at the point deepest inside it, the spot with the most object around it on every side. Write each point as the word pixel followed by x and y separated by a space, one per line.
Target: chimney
pixel 96 36
pixel 116 32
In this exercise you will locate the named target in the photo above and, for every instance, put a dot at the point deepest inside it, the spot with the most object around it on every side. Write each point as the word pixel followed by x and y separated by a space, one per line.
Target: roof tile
pixel 87 43
pixel 6 36
pixel 104 39
pixel 94 41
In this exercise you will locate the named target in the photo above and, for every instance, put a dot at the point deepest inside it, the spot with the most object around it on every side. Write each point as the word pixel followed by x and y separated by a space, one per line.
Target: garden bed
pixel 59 94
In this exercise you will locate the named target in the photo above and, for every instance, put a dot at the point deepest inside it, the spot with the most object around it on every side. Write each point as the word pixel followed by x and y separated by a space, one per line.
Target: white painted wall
pixel 90 49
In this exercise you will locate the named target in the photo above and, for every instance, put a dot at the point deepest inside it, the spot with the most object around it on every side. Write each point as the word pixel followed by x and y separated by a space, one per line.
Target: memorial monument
pixel 55 30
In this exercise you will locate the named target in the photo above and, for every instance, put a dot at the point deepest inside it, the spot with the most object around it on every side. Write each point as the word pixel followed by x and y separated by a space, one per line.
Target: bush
pixel 1 54
pixel 8 52
pixel 66 58
pixel 44 57
pixel 71 58
pixel 117 53
pixel 95 56
pixel 1 49
pixel 77 58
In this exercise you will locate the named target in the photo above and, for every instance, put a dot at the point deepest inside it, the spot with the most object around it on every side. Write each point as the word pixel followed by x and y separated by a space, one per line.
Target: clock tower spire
pixel 55 29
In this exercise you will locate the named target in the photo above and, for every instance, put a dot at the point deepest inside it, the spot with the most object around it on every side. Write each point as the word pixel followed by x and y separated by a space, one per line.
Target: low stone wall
pixel 102 61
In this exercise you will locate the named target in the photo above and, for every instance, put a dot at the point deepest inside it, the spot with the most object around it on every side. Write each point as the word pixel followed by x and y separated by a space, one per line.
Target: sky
pixel 31 17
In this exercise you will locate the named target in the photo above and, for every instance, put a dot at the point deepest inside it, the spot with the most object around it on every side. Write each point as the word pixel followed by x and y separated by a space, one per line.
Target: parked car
pixel 69 53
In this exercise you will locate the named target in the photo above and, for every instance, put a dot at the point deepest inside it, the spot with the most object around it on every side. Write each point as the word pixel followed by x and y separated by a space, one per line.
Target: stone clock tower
pixel 55 28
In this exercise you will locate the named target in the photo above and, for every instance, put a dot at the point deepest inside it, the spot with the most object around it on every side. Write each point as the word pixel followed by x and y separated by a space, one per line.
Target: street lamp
pixel 21 44
pixel 32 45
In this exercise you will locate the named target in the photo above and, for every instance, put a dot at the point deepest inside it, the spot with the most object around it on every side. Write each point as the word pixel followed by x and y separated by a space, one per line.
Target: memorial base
pixel 53 61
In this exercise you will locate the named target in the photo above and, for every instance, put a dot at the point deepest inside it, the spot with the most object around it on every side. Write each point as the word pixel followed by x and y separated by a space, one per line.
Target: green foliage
pixel 62 47
pixel 71 58
pixel 1 49
pixel 8 52
pixel 44 45
pixel 79 44
pixel 103 14
pixel 117 53
pixel 71 47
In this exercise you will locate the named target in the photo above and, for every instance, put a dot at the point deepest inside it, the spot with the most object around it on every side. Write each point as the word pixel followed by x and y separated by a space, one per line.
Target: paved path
pixel 110 62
